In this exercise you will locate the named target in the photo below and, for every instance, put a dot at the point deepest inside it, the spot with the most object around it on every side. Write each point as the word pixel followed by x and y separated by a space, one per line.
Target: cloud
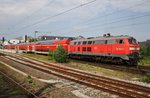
pixel 131 5
pixel 28 12
pixel 12 9
pixel 16 8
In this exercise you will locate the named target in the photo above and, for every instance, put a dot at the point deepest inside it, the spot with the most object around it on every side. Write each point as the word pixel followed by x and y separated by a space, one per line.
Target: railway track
pixel 121 88
pixel 126 68
pixel 23 92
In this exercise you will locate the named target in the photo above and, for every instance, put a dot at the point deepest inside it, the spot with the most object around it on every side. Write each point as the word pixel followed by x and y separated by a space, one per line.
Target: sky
pixel 88 18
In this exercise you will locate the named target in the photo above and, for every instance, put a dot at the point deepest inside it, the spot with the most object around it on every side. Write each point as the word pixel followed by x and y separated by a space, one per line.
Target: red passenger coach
pixel 22 46
pixel 108 49
pixel 9 46
pixel 45 46
pixel 30 47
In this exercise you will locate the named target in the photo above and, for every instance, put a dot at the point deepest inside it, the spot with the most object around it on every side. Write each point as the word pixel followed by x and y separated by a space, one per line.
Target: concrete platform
pixel 21 51
pixel 11 50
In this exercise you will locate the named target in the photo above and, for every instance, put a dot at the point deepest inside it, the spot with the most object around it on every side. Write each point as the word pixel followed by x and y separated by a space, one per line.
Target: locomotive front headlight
pixel 131 48
pixel 137 48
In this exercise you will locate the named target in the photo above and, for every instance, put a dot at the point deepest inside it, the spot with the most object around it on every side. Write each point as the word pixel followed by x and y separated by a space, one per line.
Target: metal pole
pixel 35 35
pixel 35 41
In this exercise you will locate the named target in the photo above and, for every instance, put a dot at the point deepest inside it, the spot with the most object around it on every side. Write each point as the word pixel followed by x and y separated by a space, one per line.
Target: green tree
pixel 32 40
pixel 60 55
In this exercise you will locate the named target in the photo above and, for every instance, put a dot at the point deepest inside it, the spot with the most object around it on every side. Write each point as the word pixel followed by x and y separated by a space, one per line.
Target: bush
pixel 60 55
pixel 50 54
pixel 147 78
pixel 145 51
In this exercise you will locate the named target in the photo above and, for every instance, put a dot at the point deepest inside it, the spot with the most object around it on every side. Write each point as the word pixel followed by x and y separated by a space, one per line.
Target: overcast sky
pixel 118 17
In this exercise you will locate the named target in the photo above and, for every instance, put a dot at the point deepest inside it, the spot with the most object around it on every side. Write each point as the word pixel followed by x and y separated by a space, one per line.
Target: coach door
pixel 33 48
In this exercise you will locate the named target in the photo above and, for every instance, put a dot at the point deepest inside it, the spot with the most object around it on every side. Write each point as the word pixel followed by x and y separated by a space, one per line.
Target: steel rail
pixel 96 82
pixel 102 78
pixel 12 81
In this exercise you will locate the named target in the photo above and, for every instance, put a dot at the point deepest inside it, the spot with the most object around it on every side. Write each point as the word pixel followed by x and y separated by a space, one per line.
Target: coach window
pixel 72 43
pixel 75 43
pixel 37 43
pixel 119 41
pixel 84 42
pixel 110 41
pixel 79 43
pixel 89 42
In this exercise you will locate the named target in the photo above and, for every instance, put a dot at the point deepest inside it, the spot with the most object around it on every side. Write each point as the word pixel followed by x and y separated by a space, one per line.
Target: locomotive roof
pixel 102 38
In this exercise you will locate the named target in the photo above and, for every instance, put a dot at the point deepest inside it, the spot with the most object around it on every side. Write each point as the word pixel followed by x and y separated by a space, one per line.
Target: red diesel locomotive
pixel 117 49
pixel 108 49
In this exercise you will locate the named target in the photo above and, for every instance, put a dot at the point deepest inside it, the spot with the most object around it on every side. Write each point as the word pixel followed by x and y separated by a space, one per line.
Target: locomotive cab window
pixel 89 49
pixel 119 41
pixel 132 41
pixel 84 49
pixel 93 42
pixel 79 43
pixel 89 42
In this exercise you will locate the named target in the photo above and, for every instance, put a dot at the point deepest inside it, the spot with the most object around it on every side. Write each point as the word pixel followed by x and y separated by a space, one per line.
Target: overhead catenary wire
pixel 120 26
pixel 93 28
pixel 118 11
pixel 51 17
pixel 127 19
pixel 106 15
pixel 31 15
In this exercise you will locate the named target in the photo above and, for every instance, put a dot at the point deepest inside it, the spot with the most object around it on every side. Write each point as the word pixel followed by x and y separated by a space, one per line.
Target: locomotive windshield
pixel 132 41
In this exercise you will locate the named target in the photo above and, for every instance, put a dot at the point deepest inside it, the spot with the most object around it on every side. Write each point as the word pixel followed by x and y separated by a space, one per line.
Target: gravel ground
pixel 7 89
pixel 54 87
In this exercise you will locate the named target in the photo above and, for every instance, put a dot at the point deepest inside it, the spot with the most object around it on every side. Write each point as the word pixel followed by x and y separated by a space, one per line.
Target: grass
pixel 107 72
pixel 41 57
